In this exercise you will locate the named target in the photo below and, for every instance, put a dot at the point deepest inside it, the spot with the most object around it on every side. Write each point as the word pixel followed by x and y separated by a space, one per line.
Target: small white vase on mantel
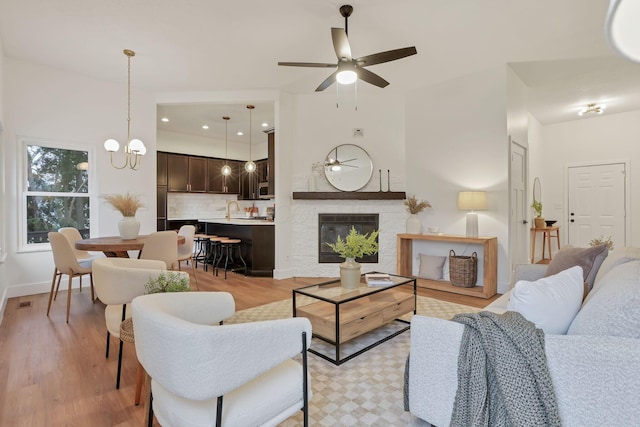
pixel 350 274
pixel 128 227
pixel 414 225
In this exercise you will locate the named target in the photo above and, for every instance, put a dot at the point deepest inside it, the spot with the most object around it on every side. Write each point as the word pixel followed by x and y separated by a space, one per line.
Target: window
pixel 57 191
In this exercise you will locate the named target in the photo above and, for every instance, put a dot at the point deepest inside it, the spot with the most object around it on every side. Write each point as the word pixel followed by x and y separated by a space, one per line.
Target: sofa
pixel 594 366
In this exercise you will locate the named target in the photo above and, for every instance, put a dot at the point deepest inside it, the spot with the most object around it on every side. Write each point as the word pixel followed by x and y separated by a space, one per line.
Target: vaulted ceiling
pixel 557 47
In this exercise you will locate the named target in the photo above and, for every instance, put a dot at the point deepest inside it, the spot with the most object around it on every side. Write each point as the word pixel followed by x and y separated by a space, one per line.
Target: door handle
pixel 572 220
pixel 524 221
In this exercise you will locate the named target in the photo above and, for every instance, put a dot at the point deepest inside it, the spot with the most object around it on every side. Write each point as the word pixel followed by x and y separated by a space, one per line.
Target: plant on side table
pixel 414 207
pixel 355 245
pixel 538 221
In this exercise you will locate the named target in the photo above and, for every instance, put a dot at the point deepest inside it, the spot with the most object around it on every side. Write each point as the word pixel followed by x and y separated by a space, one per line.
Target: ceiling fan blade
pixel 341 43
pixel 372 78
pixel 389 55
pixel 308 64
pixel 327 82
pixel 345 161
pixel 348 166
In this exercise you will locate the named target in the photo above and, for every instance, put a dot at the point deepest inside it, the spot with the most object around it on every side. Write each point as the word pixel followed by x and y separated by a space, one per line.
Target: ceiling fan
pixel 350 69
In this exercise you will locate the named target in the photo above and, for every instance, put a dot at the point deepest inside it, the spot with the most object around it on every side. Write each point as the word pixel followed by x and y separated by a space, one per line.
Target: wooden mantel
pixel 349 195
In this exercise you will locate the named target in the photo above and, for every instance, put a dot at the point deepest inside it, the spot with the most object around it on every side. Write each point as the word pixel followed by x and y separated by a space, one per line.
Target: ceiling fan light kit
pixel 592 108
pixel 350 69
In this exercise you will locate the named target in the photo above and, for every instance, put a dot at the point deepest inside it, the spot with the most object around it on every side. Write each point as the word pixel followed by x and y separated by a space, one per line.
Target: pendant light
pixel 250 166
pixel 226 169
pixel 134 148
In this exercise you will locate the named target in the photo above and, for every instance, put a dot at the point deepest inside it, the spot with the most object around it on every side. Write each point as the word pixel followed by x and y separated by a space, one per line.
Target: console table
pixel 489 286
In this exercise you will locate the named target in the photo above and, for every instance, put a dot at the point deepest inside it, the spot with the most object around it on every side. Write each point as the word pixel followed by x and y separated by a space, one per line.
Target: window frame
pixel 23 190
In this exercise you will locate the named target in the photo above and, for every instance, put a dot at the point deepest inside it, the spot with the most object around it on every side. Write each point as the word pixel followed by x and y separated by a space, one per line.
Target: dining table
pixel 115 246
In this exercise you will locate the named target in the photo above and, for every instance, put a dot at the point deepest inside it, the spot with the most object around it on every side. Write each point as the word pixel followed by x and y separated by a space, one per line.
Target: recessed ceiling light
pixel 265 124
pixel 205 127
pixel 240 133
pixel 592 108
pixel 165 119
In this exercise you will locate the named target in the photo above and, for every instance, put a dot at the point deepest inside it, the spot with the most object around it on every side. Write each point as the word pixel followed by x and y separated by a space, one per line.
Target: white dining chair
pixel 73 235
pixel 185 250
pixel 163 246
pixel 66 263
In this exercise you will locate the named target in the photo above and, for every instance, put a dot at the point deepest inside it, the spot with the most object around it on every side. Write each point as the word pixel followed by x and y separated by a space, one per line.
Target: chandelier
pixel 592 108
pixel 250 166
pixel 226 169
pixel 134 148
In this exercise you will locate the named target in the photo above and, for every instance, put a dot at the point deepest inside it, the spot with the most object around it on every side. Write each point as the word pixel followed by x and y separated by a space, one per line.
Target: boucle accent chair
pixel 117 282
pixel 595 367
pixel 204 374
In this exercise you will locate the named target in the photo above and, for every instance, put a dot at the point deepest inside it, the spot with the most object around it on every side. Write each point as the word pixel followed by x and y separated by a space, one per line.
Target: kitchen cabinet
pixel 161 188
pixel 249 181
pixel 186 173
pixel 218 183
pixel 271 161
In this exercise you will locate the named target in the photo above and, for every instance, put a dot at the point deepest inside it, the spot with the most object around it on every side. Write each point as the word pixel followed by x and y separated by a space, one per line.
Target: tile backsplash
pixel 205 205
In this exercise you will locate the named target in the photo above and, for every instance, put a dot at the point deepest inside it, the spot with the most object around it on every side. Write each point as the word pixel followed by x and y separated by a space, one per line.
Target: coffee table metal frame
pixel 364 291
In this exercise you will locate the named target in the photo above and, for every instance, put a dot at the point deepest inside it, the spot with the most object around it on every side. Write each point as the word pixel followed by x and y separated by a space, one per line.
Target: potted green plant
pixel 355 245
pixel 127 205
pixel 171 281
pixel 538 221
pixel 414 207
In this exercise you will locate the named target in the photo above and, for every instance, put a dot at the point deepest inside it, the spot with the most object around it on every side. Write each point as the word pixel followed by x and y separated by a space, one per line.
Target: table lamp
pixel 472 201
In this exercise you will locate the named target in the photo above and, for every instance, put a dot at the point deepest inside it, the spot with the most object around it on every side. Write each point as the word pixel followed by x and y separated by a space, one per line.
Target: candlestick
pixel 380 174
pixel 388 181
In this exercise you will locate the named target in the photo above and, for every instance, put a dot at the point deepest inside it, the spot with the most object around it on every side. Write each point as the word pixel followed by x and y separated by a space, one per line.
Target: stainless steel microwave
pixel 263 191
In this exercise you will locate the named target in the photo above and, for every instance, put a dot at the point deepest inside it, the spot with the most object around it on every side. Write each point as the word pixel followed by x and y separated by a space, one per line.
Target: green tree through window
pixel 57 191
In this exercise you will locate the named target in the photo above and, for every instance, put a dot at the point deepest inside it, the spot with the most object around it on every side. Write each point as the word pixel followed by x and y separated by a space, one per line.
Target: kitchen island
pixel 258 239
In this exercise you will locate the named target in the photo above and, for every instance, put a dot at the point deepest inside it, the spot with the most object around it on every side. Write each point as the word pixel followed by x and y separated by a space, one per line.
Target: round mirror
pixel 537 190
pixel 348 167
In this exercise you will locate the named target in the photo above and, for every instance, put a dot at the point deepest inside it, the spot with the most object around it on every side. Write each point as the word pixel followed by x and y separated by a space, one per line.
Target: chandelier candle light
pixel 134 148
pixel 250 166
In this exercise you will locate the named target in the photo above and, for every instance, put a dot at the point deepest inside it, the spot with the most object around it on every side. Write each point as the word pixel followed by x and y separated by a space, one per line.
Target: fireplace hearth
pixel 330 226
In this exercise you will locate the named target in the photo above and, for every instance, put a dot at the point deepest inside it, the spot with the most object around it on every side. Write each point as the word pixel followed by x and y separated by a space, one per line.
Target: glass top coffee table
pixel 339 315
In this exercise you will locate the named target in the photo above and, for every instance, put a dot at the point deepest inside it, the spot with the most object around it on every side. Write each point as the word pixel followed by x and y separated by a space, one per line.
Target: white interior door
pixel 518 210
pixel 596 202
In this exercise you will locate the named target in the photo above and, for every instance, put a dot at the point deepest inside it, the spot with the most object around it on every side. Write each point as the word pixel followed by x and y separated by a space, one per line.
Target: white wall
pixel 43 102
pixel 457 140
pixel 3 204
pixel 600 139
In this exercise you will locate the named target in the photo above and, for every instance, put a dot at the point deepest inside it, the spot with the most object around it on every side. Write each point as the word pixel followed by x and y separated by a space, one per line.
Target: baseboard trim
pixel 44 287
pixel 283 273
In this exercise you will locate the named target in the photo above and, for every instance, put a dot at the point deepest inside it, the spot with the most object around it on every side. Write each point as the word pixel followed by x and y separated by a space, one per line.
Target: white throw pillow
pixel 550 303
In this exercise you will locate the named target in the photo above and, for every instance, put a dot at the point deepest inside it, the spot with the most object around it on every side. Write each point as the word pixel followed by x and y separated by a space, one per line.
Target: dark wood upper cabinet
pixel 177 172
pixel 215 179
pixel 197 174
pixel 161 169
pixel 271 162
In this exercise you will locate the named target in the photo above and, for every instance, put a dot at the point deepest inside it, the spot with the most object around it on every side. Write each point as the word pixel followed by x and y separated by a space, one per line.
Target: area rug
pixel 366 390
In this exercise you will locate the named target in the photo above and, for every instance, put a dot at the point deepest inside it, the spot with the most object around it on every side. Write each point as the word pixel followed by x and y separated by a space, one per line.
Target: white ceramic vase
pixel 414 225
pixel 350 274
pixel 129 227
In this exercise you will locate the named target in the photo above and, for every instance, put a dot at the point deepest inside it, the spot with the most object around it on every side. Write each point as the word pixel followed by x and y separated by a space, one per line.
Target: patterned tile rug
pixel 366 390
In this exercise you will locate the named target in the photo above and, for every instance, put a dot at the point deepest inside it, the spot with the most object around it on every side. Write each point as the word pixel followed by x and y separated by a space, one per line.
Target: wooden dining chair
pixel 163 246
pixel 66 263
pixel 73 235
pixel 185 250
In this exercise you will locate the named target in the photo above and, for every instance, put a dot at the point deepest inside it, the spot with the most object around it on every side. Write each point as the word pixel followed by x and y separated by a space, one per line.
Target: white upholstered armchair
pixel 204 373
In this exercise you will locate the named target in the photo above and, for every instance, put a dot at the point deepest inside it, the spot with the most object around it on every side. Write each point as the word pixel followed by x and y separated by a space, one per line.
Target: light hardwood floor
pixel 56 374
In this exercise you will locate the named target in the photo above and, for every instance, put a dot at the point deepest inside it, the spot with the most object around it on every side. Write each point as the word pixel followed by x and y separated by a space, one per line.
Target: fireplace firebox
pixel 330 226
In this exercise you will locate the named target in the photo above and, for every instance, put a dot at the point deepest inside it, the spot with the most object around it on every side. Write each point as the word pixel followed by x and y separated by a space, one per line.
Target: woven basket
pixel 463 270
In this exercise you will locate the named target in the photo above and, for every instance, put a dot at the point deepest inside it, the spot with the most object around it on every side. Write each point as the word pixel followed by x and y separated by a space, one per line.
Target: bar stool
pixel 200 248
pixel 227 248
pixel 215 252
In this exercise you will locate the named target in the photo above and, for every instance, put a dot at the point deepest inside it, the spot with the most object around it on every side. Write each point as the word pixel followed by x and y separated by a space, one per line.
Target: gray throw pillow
pixel 431 267
pixel 589 259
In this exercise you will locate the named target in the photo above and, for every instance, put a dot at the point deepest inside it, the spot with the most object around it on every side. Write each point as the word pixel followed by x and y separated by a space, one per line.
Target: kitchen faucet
pixel 229 203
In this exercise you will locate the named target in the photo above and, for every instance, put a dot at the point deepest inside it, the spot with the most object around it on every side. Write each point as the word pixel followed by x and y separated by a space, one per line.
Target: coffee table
pixel 339 315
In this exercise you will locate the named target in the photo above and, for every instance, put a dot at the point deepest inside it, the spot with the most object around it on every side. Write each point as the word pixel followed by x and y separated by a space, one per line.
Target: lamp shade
pixel 472 200
pixel 622 28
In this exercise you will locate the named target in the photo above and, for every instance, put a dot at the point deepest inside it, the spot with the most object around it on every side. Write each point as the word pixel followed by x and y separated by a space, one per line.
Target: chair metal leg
pixel 93 297
pixel 305 385
pixel 55 295
pixel 108 336
pixel 119 365
pixel 219 412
